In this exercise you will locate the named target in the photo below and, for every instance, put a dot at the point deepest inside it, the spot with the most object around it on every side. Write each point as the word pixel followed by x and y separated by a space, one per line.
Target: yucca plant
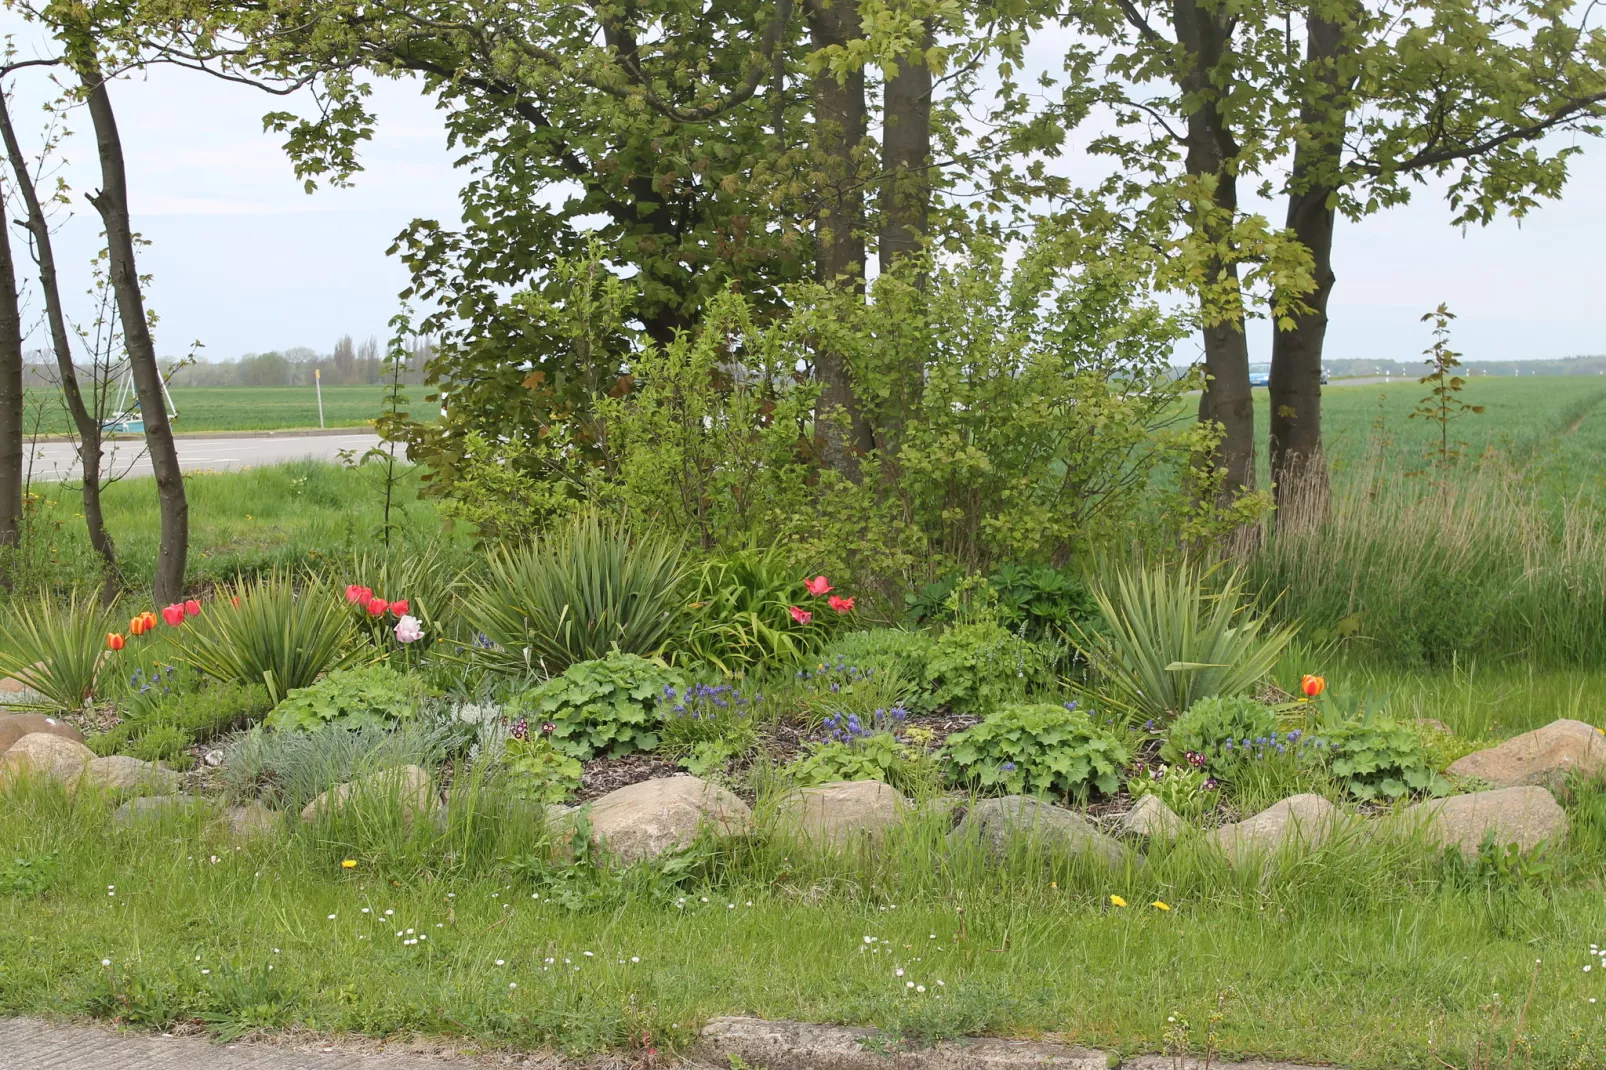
pixel 1166 641
pixel 592 587
pixel 58 651
pixel 266 632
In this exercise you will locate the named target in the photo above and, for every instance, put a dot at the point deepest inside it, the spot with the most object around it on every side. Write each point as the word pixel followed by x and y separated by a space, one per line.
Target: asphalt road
pixel 56 461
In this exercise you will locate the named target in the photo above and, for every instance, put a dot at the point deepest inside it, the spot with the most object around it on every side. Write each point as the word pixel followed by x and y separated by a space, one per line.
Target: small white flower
pixel 105 962
pixel 908 984
pixel 275 951
pixel 331 917
pixel 410 932
pixel 365 910
pixel 635 958
pixel 898 972
pixel 206 971
pixel 388 913
pixel 587 954
pixel 920 988
pixel 513 984
pixel 499 962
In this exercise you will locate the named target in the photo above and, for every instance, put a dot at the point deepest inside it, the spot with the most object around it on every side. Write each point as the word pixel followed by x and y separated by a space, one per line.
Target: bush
pixel 1186 791
pixel 890 654
pixel 741 612
pixel 976 668
pixel 1038 749
pixel 839 686
pixel 573 597
pixel 877 756
pixel 538 771
pixel 1220 729
pixel 350 698
pixel 162 743
pixel 1377 757
pixel 269 634
pixel 1041 602
pixel 609 706
pixel 1165 642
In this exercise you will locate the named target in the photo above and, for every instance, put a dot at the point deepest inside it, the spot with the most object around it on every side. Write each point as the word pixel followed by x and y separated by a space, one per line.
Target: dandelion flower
pixel 1158 905
pixel 350 863
pixel 1116 900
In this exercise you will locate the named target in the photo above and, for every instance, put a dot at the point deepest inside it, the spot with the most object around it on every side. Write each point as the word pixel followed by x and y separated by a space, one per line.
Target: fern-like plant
pixel 58 651
pixel 267 632
pixel 1166 641
pixel 594 587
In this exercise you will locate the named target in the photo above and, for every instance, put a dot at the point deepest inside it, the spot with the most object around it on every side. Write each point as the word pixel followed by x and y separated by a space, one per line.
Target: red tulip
pixel 802 616
pixel 192 608
pixel 356 594
pixel 817 586
pixel 115 641
pixel 841 605
pixel 1312 685
pixel 376 607
pixel 173 614
pixel 399 607
pixel 139 625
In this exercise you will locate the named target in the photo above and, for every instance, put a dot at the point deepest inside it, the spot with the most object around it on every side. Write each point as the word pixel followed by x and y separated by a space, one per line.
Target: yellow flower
pixel 1117 900
pixel 1159 905
pixel 350 863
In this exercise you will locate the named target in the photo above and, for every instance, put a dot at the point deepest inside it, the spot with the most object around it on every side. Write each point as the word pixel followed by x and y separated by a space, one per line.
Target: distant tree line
pixel 1351 366
pixel 349 363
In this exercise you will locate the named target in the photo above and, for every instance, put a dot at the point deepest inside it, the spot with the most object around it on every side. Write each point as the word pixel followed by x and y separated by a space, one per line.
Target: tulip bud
pixel 115 641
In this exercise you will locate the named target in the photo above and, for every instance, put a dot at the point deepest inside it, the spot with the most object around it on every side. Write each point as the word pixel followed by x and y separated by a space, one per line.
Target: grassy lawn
pixel 250 408
pixel 1359 955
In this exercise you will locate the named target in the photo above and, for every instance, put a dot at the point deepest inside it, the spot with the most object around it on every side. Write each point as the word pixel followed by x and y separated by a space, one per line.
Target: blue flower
pixel 1008 767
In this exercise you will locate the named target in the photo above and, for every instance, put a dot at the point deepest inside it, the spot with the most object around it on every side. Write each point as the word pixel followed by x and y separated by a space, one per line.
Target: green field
pixel 244 408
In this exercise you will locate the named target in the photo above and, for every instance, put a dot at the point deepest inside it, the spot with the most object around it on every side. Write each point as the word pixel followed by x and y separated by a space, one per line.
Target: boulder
pixel 1308 819
pixel 252 819
pixel 1151 819
pixel 120 773
pixel 832 814
pixel 1526 816
pixel 407 784
pixel 48 755
pixel 646 819
pixel 152 807
pixel 1544 756
pixel 1021 819
pixel 13 726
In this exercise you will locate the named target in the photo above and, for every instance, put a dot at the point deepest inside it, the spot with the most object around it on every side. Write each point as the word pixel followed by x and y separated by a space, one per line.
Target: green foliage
pixel 592 587
pixel 29 876
pixel 1184 789
pixel 609 706
pixel 836 685
pixel 1166 642
pixel 1443 404
pixel 268 633
pixel 1218 728
pixel 740 612
pixel 161 743
pixel 976 668
pixel 880 756
pixel 163 727
pixel 1040 602
pixel 1379 758
pixel 1038 749
pixel 498 489
pixel 538 771
pixel 57 650
pixel 705 726
pixel 895 659
pixel 348 699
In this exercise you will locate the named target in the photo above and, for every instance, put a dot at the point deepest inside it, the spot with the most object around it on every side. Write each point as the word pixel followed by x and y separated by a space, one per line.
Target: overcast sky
pixel 244 261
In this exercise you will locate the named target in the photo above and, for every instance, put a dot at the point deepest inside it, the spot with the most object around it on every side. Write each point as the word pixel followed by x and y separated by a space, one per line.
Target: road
pixel 56 461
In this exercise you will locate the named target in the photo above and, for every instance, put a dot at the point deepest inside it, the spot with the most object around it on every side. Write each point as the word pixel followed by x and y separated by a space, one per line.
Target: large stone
pixel 13 726
pixel 832 814
pixel 1151 819
pixel 153 808
pixel 408 785
pixel 646 819
pixel 1544 756
pixel 44 754
pixel 1526 816
pixel 1306 819
pixel 120 773
pixel 1022 820
pixel 252 819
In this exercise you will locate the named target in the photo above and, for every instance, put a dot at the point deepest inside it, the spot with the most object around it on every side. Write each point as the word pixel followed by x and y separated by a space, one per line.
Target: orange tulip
pixel 1312 685
pixel 115 641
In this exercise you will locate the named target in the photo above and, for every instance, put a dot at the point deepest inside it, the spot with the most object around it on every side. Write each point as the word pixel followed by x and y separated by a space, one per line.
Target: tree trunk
pixel 87 425
pixel 841 120
pixel 1205 33
pixel 112 204
pixel 10 406
pixel 1297 466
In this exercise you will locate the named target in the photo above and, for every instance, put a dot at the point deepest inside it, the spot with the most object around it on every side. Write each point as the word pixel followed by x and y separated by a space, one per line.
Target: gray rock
pixel 833 814
pixel 130 776
pixel 152 807
pixel 1307 819
pixel 1526 816
pixel 1544 756
pixel 408 785
pixel 46 755
pixel 644 820
pixel 13 726
pixel 213 758
pixel 1018 818
pixel 1151 819
pixel 252 819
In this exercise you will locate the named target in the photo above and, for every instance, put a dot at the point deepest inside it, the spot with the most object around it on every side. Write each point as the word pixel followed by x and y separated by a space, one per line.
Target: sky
pixel 244 261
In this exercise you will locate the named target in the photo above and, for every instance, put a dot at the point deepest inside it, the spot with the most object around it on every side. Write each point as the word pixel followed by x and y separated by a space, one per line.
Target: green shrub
pixel 878 756
pixel 270 634
pixel 890 654
pixel 593 587
pixel 350 698
pixel 1377 757
pixel 741 612
pixel 609 706
pixel 1041 602
pixel 1222 729
pixel 1038 749
pixel 538 771
pixel 706 725
pixel 198 716
pixel 1165 642
pixel 976 668
pixel 1186 791
pixel 833 686
pixel 161 743
pixel 57 650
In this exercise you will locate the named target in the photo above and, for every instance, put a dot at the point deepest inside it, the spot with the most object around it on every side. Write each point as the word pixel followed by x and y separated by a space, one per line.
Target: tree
pixel 11 408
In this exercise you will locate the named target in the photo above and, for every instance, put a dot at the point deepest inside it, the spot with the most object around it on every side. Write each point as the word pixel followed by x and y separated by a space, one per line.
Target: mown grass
pixel 1362 953
pixel 246 408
